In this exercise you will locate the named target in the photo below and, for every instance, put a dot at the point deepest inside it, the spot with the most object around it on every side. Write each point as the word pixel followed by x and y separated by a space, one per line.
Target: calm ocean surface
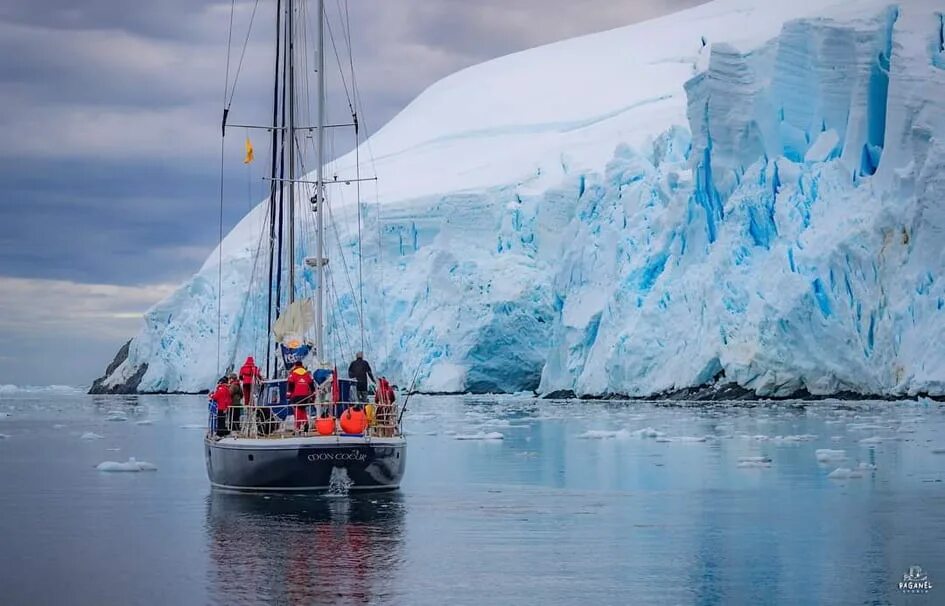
pixel 585 502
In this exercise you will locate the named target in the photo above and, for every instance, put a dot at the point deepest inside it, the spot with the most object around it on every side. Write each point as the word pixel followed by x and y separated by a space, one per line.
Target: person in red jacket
pixel 223 398
pixel 248 374
pixel 300 387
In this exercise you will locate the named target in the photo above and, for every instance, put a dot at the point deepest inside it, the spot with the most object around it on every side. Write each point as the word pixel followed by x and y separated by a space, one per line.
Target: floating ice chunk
pixel 805 437
pixel 193 426
pixel 873 440
pixel 144 422
pixel 754 462
pixel 867 427
pixel 826 455
pixel 604 434
pixel 90 435
pixel 130 465
pixel 866 466
pixel 116 415
pixel 648 432
pixel 492 435
pixel 844 473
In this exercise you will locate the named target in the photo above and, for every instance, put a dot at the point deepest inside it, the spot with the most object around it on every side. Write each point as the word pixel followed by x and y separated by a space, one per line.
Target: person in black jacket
pixel 360 371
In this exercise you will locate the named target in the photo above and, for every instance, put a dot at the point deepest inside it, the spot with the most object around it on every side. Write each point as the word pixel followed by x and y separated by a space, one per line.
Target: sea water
pixel 506 500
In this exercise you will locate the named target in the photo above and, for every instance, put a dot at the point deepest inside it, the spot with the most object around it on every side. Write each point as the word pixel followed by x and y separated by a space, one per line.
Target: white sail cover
pixel 294 321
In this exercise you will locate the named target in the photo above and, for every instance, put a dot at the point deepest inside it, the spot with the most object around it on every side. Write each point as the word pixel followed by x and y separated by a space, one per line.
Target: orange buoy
pixel 353 421
pixel 325 426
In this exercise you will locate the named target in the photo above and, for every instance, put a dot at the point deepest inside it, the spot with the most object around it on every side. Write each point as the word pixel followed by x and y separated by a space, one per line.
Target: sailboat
pixel 269 449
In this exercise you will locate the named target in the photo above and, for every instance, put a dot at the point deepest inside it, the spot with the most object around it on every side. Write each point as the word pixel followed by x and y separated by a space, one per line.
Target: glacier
pixel 745 192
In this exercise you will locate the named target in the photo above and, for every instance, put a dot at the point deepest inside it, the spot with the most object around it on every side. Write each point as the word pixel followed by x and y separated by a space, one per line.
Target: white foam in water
pixel 340 483
pixel 89 435
pixel 826 455
pixel 844 473
pixel 604 434
pixel 492 435
pixel 130 465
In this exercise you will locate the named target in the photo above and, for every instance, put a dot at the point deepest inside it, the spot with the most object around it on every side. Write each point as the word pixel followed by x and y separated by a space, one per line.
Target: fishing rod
pixel 410 392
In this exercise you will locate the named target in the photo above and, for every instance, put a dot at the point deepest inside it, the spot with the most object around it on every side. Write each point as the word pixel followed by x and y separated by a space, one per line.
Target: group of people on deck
pixel 233 391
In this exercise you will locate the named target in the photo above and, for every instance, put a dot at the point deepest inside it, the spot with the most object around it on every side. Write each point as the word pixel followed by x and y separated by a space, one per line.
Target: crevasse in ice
pixel 746 191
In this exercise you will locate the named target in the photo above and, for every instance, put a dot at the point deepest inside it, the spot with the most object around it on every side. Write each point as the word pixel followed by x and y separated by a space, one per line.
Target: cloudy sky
pixel 109 167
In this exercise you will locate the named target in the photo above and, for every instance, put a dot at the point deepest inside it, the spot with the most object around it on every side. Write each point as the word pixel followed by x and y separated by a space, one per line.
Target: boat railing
pixel 278 420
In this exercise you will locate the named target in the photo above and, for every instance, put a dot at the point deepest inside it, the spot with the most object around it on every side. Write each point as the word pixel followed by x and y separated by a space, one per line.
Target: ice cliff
pixel 746 192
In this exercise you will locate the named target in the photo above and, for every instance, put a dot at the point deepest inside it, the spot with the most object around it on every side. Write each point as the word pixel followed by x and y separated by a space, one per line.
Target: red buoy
pixel 353 421
pixel 325 426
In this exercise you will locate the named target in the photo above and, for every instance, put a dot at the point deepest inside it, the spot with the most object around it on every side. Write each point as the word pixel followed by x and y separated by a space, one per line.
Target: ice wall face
pixel 747 193
pixel 798 245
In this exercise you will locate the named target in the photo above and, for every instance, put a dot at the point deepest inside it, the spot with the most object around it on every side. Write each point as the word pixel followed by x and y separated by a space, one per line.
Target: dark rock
pixel 129 386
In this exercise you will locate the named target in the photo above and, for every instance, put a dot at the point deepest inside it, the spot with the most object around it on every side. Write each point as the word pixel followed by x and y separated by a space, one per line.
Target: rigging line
pixel 357 171
pixel 341 71
pixel 239 66
pixel 248 299
pixel 275 146
pixel 226 85
pixel 344 261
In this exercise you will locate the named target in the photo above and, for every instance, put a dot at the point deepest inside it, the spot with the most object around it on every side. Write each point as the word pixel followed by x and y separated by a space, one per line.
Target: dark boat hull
pixel 306 464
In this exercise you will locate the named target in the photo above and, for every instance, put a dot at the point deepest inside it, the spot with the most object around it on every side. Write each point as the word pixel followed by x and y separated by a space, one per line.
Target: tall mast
pixel 290 129
pixel 319 186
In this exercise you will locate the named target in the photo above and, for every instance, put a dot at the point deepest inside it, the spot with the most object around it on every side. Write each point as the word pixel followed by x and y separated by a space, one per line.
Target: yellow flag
pixel 249 152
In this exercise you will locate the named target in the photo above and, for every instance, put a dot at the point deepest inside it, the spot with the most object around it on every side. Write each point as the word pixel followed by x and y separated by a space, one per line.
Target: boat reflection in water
pixel 294 549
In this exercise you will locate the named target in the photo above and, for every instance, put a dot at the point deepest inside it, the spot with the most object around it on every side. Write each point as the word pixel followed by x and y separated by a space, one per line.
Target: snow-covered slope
pixel 747 190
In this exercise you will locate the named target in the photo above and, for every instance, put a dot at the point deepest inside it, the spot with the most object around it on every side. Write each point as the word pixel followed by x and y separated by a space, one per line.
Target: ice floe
pixel 754 462
pixel 130 465
pixel 845 473
pixel 604 434
pixel 648 432
pixel 492 435
pixel 90 435
pixel 826 455
pixel 116 415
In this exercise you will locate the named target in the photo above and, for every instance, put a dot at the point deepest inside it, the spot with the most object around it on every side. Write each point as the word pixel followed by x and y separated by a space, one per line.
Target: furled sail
pixel 293 323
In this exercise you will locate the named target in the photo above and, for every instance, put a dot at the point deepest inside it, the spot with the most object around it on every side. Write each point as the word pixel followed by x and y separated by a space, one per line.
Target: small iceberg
pixel 89 435
pixel 604 434
pixel 130 465
pixel 844 473
pixel 492 435
pixel 826 455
